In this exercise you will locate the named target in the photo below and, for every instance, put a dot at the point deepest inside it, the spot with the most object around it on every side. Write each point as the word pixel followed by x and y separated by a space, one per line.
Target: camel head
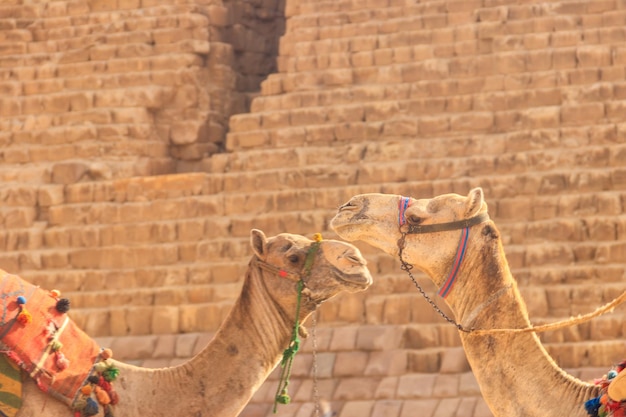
pixel 389 221
pixel 326 268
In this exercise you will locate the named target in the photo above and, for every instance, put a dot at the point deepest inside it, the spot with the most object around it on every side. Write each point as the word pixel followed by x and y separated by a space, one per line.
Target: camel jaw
pixel 361 227
pixel 347 226
pixel 346 265
pixel 353 282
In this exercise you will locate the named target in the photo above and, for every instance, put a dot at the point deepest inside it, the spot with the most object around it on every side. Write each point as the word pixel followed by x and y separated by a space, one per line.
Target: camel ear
pixel 475 200
pixel 258 241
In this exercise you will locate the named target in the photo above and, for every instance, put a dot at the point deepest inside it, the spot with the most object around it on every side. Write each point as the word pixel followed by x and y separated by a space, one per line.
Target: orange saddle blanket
pixel 38 336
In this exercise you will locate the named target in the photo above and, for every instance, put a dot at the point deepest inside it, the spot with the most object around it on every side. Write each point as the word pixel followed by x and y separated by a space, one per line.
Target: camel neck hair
pixel 243 352
pixel 517 376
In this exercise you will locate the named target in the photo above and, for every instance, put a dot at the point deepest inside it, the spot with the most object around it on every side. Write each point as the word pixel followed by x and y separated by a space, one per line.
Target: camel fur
pixel 222 378
pixel 516 375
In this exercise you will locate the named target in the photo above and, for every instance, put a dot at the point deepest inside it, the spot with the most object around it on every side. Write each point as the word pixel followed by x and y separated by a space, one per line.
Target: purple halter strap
pixel 464 225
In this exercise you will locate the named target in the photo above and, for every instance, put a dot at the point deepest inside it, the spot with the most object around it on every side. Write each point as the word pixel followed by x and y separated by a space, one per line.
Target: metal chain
pixel 316 392
pixel 408 267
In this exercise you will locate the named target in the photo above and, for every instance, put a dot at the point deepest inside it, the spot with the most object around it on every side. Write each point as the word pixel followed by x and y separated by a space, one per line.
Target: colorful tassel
pixel 608 403
pixel 106 354
pixel 24 317
pixel 108 412
pixel 62 362
pixel 91 408
pixel 104 384
pixel 283 398
pixel 63 305
pixel 102 396
pixel 592 406
pixel 79 404
pixel 110 374
pixel 100 367
pixel 115 398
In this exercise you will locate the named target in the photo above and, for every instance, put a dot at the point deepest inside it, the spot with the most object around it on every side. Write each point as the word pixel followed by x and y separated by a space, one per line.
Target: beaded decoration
pixel 612 399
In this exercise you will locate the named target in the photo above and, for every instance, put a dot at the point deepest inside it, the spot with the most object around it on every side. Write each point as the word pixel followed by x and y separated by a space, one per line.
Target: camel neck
pixel 516 374
pixel 226 373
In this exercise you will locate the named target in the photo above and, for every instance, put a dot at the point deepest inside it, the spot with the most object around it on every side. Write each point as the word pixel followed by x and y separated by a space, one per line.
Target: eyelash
pixel 414 219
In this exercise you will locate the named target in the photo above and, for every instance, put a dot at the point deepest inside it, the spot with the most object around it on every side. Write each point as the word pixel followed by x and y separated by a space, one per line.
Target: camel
pixel 452 240
pixel 222 378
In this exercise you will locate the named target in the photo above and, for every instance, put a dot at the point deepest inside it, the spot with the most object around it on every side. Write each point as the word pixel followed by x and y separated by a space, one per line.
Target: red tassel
pixel 24 317
pixel 104 384
pixel 114 397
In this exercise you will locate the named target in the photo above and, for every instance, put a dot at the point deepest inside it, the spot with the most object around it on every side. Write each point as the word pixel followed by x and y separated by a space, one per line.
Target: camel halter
pixel 465 224
pixel 282 396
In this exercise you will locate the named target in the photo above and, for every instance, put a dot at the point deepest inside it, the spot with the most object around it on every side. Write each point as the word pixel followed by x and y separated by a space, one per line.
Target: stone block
pixel 243 122
pixel 411 386
pixel 454 361
pixel 139 319
pixel 387 408
pixel 379 337
pixel 248 139
pixel 185 132
pixel 475 122
pixel 388 362
pixel 446 385
pixel 449 407
pixel 350 363
pixel 185 344
pixel 338 77
pixel 387 388
pixel 433 125
pixel 354 389
pixel 20 217
pixel 165 320
pixel 426 407
pixel 564 58
pixel 581 113
pixel 357 408
pixel 308 116
pixel 203 317
pixel 293 137
pixel 50 195
pixel 54 260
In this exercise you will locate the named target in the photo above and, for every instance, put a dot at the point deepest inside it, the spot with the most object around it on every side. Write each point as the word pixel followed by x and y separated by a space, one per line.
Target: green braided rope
pixel 282 396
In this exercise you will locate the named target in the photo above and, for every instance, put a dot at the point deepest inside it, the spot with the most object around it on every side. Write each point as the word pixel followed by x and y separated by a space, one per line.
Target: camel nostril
pixel 347 206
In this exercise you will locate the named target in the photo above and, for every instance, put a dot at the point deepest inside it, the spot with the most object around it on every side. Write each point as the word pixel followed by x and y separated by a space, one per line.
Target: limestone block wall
pixel 96 90
pixel 423 98
pixel 524 99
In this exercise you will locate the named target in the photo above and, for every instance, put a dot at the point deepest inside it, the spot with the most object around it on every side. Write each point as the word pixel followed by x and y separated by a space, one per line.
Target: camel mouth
pixel 357 281
pixel 345 228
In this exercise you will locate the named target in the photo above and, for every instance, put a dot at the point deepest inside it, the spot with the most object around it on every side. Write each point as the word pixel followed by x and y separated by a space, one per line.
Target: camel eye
pixel 294 259
pixel 413 219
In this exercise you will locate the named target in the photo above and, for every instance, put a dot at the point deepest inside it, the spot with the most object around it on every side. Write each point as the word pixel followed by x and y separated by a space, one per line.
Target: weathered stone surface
pixel 377 97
